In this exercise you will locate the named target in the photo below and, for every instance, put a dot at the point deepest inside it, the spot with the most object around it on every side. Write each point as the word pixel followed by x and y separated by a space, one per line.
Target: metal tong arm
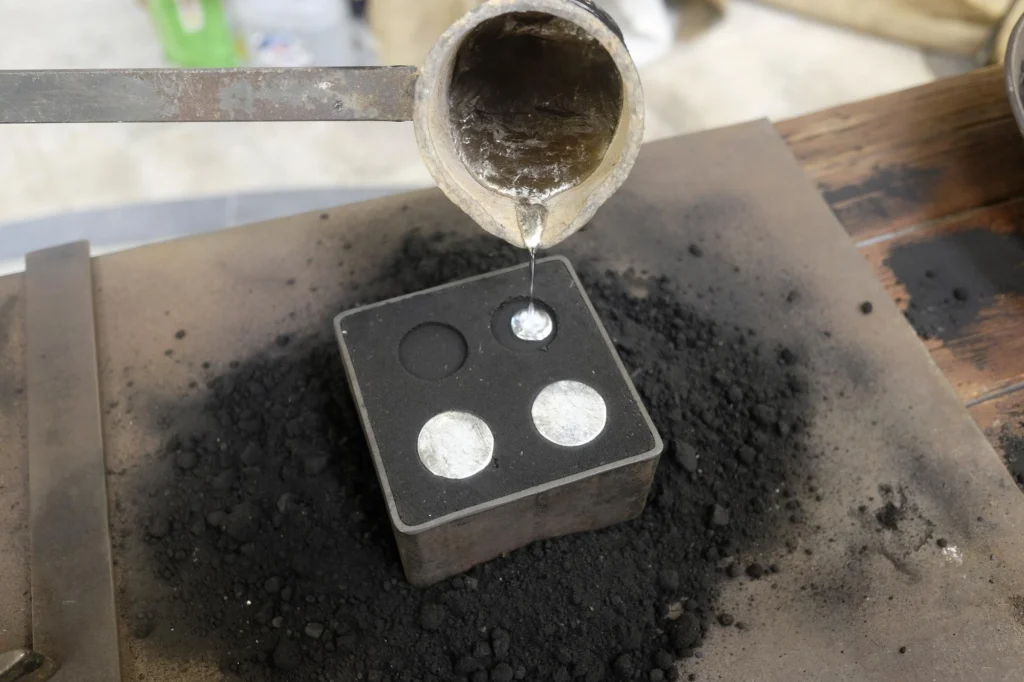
pixel 176 95
pixel 23 665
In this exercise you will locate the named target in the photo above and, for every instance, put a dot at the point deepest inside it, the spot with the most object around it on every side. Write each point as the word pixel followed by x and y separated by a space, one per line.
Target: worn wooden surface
pixel 930 184
pixel 920 155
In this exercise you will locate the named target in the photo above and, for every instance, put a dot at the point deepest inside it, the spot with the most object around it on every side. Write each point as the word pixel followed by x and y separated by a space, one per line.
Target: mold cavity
pixel 433 351
pixel 511 335
pixel 535 102
pixel 532 323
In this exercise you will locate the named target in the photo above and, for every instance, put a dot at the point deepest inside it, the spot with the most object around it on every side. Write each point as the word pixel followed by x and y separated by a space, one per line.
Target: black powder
pixel 1011 441
pixel 889 516
pixel 895 508
pixel 952 277
pixel 276 549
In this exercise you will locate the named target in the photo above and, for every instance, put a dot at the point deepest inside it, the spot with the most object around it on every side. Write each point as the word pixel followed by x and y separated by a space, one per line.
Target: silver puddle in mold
pixel 532 323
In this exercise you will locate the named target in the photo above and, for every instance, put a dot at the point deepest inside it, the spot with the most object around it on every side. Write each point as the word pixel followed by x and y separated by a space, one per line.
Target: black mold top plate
pixel 496 383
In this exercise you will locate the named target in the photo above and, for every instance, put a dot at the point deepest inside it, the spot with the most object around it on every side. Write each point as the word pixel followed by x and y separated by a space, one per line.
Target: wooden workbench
pixel 928 164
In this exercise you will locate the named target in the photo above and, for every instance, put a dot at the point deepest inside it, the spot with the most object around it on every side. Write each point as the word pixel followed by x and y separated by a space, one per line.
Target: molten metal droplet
pixel 532 324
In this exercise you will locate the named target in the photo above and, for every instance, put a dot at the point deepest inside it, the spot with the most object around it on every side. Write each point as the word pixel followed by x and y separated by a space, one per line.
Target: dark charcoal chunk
pixel 719 516
pixel 252 455
pixel 432 617
pixel 502 673
pixel 186 460
pixel 686 456
pixel 624 666
pixel 686 633
pixel 243 521
pixel 668 580
pixel 287 655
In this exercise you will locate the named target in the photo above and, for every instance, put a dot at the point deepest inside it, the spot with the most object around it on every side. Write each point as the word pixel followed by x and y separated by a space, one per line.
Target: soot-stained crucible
pixel 484 441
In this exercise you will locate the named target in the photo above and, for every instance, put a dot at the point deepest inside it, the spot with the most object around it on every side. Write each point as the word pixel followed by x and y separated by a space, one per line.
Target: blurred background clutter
pixel 704 63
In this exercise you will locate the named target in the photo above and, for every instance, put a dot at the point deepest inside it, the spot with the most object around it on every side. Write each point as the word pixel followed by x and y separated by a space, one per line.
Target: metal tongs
pixel 434 97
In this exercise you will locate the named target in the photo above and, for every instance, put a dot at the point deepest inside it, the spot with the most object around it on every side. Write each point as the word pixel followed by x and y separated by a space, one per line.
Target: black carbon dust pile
pixel 270 532
pixel 1012 443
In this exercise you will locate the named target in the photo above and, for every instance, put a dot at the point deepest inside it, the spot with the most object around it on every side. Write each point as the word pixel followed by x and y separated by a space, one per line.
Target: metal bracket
pixel 73 613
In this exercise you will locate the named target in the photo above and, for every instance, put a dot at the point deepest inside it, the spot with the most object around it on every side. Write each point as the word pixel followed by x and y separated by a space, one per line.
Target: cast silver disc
pixel 569 413
pixel 455 445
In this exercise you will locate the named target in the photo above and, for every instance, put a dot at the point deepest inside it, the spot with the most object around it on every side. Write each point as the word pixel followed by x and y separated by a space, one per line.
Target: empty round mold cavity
pixel 455 445
pixel 569 413
pixel 433 351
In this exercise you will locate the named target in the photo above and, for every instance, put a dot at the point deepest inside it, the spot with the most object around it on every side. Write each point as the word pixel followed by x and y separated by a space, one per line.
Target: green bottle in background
pixel 195 33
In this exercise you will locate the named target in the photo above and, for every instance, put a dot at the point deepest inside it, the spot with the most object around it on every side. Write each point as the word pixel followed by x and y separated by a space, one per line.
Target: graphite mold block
pixel 483 442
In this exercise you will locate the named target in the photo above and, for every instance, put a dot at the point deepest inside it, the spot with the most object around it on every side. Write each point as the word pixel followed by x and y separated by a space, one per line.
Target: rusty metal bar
pixel 74 620
pixel 173 95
